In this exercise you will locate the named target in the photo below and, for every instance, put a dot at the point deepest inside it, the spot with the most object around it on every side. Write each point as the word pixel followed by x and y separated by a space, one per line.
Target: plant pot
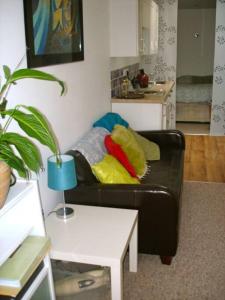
pixel 5 178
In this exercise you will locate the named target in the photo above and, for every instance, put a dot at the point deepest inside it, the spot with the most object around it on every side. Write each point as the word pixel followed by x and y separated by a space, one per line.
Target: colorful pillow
pixel 109 170
pixel 151 149
pixel 115 150
pixel 134 152
pixel 91 145
pixel 109 120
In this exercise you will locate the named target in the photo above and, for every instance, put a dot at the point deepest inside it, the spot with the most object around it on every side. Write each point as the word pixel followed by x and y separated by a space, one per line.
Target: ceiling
pixel 195 4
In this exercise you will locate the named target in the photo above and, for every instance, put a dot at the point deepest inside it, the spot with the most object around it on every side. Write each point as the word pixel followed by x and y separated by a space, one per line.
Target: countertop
pixel 161 97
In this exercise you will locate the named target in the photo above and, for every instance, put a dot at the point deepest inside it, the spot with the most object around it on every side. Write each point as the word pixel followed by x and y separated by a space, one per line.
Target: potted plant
pixel 18 152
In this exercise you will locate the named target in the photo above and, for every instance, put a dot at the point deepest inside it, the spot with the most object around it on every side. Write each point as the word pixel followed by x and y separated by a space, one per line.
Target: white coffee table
pixel 99 236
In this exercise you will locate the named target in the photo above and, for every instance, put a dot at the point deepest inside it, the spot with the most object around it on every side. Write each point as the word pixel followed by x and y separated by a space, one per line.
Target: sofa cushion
pixel 134 152
pixel 109 120
pixel 115 150
pixel 109 170
pixel 91 145
pixel 151 149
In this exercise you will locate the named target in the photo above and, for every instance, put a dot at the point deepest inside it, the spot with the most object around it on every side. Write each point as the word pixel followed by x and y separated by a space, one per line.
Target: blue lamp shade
pixel 62 176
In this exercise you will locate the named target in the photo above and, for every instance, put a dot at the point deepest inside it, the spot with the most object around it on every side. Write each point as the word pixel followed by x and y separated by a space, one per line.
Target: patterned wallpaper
pixel 163 65
pixel 218 103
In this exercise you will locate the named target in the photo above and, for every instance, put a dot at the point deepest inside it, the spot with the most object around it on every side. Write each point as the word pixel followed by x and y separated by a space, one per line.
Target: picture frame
pixel 54 32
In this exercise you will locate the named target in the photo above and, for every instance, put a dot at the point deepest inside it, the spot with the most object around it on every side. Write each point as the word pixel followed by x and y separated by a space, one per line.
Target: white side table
pixel 99 236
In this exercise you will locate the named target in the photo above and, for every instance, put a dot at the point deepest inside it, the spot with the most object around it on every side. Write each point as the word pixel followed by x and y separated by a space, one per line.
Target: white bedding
pixel 192 93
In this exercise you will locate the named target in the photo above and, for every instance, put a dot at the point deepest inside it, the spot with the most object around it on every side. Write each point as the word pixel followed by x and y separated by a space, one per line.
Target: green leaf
pixel 7 72
pixel 9 157
pixel 27 150
pixel 34 74
pixel 35 125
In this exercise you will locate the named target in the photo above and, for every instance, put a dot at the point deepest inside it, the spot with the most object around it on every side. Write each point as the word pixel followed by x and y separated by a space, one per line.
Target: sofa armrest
pixel 165 138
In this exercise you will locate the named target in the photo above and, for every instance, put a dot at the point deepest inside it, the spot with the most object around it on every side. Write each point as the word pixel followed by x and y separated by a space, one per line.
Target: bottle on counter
pixel 142 78
pixel 124 87
pixel 135 83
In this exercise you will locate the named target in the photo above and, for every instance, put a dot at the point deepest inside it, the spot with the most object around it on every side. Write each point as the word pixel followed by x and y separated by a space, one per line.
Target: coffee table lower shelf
pixel 98 236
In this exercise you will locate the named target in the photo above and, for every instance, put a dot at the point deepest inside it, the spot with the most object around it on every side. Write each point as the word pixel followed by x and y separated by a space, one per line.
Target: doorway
pixel 195 60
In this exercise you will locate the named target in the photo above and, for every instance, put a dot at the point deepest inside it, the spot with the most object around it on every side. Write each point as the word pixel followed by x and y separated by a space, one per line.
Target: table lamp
pixel 61 177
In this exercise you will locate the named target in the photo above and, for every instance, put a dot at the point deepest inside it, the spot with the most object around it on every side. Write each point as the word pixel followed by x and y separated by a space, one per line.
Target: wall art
pixel 54 31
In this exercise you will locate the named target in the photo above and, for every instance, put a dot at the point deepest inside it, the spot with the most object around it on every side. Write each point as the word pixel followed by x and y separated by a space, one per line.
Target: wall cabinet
pixel 148 27
pixel 123 28
pixel 144 27
pixel 133 27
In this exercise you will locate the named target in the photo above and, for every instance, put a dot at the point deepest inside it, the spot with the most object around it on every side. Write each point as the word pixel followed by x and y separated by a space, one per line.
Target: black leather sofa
pixel 157 198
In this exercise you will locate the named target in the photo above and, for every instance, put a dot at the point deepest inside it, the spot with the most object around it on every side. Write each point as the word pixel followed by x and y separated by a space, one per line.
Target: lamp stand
pixel 64 212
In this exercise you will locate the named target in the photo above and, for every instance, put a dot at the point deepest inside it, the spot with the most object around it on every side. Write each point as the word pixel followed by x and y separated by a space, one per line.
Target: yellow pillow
pixel 130 146
pixel 109 170
pixel 151 149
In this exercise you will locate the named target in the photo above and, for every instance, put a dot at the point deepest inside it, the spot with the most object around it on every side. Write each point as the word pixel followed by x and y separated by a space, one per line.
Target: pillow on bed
pixel 185 79
pixel 151 149
pixel 109 120
pixel 109 170
pixel 134 152
pixel 115 150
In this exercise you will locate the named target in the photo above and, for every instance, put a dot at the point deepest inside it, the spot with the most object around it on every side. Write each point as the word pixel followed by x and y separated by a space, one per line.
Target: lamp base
pixel 64 212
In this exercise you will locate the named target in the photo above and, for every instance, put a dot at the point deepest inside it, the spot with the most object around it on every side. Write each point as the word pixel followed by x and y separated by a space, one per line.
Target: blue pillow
pixel 109 120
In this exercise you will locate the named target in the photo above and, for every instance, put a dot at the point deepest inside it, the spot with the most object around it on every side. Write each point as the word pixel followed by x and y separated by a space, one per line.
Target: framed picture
pixel 54 32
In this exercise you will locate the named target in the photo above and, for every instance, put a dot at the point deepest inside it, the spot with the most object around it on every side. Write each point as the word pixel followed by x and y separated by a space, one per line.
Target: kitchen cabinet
pixel 144 26
pixel 124 28
pixel 148 27
pixel 148 113
pixel 133 27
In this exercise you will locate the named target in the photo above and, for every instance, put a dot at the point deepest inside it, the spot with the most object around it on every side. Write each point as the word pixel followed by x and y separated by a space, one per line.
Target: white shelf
pixel 15 194
pixel 11 238
pixel 19 217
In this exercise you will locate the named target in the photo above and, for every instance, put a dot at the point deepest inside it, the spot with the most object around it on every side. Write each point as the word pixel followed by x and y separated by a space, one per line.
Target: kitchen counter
pixel 162 91
pixel 151 112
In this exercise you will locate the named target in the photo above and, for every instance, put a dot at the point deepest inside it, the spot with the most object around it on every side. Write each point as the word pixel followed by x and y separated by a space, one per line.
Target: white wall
pixel 195 56
pixel 88 81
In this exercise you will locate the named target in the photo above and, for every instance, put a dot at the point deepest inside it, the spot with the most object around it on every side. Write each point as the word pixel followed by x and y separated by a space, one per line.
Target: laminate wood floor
pixel 204 158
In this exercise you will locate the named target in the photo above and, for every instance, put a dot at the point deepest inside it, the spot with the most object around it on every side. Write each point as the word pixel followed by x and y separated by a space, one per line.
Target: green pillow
pixel 134 152
pixel 109 170
pixel 151 149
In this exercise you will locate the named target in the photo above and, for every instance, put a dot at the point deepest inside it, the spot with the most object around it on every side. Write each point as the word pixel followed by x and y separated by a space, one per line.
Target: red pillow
pixel 116 151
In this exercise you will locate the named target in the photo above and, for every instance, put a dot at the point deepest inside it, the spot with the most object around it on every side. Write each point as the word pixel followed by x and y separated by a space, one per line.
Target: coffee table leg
pixel 117 281
pixel 133 250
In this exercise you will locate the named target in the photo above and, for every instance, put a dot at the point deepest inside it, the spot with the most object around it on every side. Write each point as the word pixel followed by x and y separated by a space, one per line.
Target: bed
pixel 193 98
pixel 194 89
